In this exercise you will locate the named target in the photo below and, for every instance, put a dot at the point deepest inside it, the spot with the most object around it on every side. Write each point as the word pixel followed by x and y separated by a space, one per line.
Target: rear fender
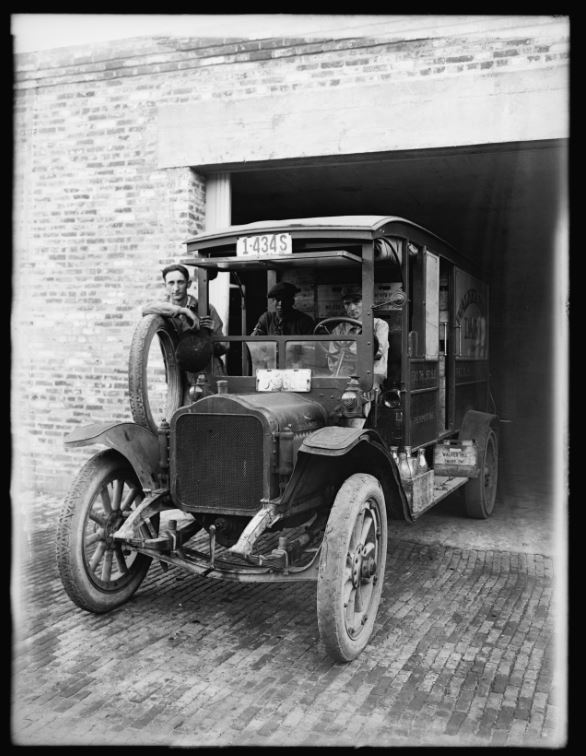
pixel 477 425
pixel 137 444
pixel 332 454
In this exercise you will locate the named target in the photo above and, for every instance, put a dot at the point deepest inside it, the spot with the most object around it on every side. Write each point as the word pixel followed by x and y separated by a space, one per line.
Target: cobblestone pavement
pixel 464 653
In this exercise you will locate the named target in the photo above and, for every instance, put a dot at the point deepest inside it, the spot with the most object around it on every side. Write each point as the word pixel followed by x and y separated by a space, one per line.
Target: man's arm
pixel 261 328
pixel 381 331
pixel 214 322
pixel 170 310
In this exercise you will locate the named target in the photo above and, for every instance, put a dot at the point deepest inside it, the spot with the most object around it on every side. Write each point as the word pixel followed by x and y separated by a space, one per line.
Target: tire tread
pixel 145 331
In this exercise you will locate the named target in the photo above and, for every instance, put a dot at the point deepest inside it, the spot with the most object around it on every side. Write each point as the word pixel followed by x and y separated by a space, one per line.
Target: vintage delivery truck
pixel 286 458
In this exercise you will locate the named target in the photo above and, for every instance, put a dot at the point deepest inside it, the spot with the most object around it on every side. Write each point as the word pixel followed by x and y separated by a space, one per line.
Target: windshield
pixel 307 315
pixel 331 357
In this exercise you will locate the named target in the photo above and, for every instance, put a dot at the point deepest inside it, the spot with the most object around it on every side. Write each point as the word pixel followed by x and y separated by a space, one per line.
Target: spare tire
pixel 155 380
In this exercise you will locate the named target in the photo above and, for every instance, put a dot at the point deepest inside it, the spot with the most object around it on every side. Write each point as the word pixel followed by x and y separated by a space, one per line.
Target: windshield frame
pixel 325 258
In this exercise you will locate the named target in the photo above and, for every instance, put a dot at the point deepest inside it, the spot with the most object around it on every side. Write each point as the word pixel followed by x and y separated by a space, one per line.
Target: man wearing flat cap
pixel 182 310
pixel 342 355
pixel 285 320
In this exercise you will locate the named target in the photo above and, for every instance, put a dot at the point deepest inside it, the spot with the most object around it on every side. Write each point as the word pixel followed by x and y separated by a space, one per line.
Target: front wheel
pixel 480 492
pixel 97 572
pixel 352 567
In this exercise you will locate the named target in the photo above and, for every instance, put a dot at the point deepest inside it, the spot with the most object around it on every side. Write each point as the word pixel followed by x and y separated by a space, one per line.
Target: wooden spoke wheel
pixel 352 567
pixel 98 572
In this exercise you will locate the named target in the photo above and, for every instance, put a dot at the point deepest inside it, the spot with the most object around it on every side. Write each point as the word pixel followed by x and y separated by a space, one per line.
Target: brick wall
pixel 95 218
pixel 98 222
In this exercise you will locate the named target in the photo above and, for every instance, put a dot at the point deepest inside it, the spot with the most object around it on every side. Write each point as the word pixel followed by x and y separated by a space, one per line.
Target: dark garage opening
pixel 500 205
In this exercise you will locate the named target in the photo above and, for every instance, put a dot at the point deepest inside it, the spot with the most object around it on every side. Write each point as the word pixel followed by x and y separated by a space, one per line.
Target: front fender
pixel 332 441
pixel 137 444
pixel 333 453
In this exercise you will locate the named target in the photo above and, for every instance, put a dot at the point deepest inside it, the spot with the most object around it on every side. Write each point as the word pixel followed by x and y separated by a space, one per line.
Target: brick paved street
pixel 463 654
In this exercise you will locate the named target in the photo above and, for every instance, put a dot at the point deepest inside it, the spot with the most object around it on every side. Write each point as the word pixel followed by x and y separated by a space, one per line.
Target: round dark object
pixel 194 351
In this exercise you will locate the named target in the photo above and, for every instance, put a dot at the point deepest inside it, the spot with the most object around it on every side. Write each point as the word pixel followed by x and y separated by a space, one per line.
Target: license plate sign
pixel 288 379
pixel 456 459
pixel 264 245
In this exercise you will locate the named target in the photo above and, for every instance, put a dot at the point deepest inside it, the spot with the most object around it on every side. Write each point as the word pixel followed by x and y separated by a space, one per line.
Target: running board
pixel 443 486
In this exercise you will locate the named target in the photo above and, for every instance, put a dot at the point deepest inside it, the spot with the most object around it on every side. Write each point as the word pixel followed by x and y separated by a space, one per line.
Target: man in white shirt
pixel 342 355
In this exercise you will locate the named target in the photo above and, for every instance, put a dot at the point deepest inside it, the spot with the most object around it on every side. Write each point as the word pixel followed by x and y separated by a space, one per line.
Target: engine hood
pixel 225 449
pixel 279 410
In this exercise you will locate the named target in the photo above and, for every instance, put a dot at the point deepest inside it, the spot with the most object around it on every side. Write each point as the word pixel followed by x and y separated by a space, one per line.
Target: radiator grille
pixel 219 462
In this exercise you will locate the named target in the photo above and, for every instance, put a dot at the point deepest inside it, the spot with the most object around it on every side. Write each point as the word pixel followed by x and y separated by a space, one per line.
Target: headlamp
pixel 351 398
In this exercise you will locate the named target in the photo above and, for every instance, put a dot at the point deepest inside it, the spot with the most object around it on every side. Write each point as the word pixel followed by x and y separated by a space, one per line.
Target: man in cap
pixel 342 355
pixel 285 320
pixel 182 308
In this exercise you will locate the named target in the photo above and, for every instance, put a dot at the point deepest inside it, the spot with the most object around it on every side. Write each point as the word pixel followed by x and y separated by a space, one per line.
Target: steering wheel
pixel 327 326
pixel 326 322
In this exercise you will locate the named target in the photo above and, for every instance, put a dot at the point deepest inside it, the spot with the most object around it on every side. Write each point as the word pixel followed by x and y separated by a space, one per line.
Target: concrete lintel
pixel 402 115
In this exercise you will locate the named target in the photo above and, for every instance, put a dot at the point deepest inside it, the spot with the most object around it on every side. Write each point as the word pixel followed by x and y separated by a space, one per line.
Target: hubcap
pixel 368 569
pixel 363 564
pixel 113 523
pixel 108 563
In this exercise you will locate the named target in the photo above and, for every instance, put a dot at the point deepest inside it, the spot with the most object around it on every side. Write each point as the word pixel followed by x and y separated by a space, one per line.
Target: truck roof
pixel 370 222
pixel 334 222
pixel 348 226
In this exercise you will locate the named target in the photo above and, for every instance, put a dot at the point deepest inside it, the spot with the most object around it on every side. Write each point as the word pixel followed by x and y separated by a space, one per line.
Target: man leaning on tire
pixel 182 309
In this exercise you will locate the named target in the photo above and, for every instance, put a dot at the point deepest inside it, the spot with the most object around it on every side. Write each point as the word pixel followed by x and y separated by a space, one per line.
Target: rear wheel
pixel 97 572
pixel 155 384
pixel 352 567
pixel 480 493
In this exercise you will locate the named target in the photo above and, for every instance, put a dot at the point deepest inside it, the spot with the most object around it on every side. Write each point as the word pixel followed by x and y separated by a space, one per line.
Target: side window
pixel 424 287
pixel 389 300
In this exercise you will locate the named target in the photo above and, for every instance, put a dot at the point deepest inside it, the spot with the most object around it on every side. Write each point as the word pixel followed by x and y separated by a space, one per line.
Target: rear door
pixel 470 345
